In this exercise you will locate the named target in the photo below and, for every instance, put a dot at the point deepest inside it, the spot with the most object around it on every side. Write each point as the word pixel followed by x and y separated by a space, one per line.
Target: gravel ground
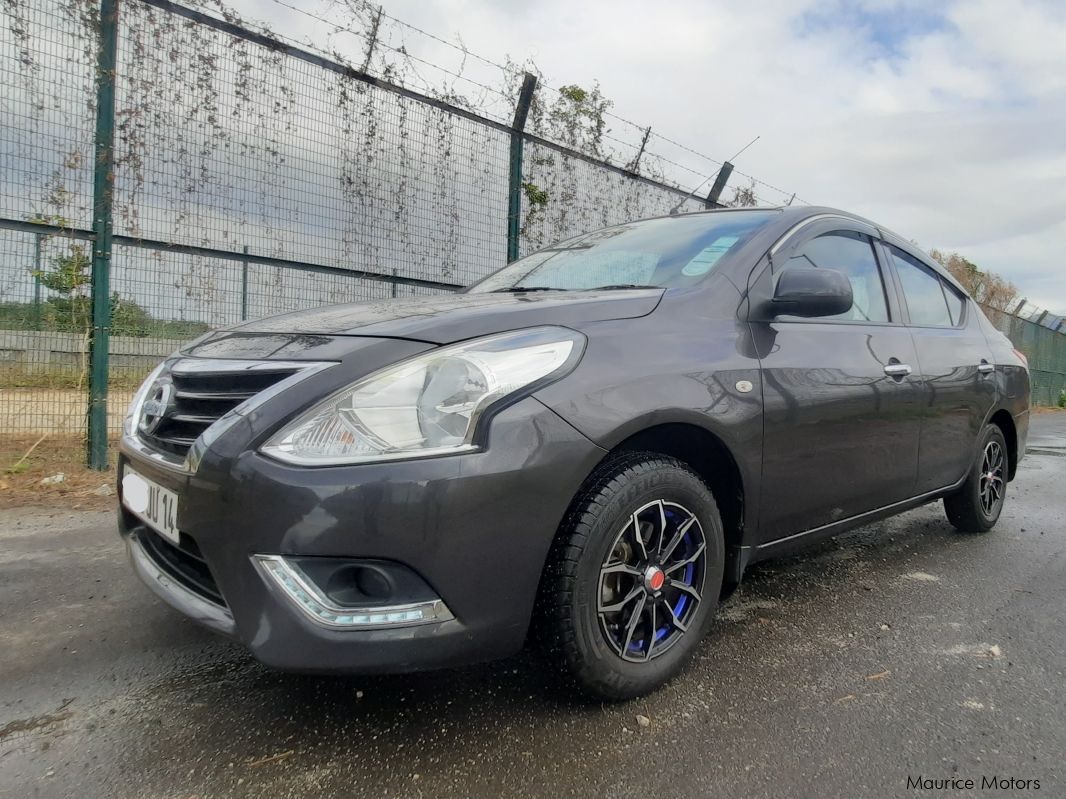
pixel 902 650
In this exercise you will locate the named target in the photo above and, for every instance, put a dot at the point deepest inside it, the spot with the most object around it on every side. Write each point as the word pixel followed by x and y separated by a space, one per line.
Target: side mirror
pixel 808 292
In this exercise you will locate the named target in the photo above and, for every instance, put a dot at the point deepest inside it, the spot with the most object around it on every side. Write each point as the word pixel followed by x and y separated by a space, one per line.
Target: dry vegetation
pixel 21 474
pixel 987 288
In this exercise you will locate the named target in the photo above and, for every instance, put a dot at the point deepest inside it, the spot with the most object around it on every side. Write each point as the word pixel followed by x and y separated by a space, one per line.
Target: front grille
pixel 197 398
pixel 184 564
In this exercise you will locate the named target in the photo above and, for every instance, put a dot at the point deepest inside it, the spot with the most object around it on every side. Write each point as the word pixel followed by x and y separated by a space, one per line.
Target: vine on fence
pixel 224 143
pixel 215 146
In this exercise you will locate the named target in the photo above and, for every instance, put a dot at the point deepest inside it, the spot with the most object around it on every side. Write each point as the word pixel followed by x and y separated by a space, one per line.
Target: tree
pixel 69 278
pixel 71 310
pixel 987 288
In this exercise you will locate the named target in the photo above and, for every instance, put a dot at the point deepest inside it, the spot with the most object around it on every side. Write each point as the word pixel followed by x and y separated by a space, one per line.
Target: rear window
pixel 926 295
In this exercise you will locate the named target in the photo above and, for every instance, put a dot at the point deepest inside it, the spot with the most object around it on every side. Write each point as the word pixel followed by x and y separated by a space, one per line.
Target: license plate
pixel 151 503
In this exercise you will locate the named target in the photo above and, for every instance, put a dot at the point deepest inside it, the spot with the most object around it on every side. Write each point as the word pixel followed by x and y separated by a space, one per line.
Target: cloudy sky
pixel 943 121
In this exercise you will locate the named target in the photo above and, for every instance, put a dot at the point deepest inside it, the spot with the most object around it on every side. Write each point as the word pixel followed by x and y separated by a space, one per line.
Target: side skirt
pixel 771 549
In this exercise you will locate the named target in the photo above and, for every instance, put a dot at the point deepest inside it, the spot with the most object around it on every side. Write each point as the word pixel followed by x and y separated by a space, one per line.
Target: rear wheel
pixel 976 506
pixel 634 576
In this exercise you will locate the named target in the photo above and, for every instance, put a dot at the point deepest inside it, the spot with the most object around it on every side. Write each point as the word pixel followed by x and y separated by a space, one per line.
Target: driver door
pixel 840 432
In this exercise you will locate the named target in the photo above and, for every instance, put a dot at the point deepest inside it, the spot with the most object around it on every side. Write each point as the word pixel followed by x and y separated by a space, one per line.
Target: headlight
pixel 429 405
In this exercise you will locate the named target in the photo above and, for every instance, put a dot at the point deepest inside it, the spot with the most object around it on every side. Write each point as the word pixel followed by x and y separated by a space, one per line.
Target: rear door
pixel 956 367
pixel 840 398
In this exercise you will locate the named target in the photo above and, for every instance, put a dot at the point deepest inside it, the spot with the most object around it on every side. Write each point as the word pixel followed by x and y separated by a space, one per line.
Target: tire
pixel 597 562
pixel 975 507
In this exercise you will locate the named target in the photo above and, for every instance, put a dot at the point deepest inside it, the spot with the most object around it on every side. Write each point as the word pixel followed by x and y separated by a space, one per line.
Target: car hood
pixel 453 317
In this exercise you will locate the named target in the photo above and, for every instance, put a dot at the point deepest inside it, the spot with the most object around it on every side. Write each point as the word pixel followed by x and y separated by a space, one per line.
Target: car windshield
pixel 656 253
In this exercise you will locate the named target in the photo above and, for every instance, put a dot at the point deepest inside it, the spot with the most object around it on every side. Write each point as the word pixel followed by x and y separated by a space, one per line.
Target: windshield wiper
pixel 622 286
pixel 524 289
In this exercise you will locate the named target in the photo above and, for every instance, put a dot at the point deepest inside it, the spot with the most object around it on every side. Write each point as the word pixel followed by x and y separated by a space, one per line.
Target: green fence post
pixel 634 165
pixel 103 183
pixel 719 186
pixel 244 286
pixel 37 242
pixel 514 193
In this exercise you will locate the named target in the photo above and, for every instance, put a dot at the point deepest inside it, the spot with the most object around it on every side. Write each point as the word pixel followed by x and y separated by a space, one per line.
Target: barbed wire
pixel 463 49
pixel 650 154
pixel 467 52
pixel 401 51
pixel 686 148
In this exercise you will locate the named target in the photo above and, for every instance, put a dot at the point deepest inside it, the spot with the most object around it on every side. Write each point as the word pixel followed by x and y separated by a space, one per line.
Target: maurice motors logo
pixel 986 782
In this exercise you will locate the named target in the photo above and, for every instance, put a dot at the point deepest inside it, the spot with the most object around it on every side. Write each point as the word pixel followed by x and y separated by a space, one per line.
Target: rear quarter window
pixel 955 304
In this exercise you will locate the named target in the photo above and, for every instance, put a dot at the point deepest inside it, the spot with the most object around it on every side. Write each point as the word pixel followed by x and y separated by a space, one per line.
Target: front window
pixel 853 254
pixel 656 253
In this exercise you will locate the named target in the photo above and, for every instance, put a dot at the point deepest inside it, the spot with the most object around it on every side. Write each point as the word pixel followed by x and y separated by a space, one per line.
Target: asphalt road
pixel 900 650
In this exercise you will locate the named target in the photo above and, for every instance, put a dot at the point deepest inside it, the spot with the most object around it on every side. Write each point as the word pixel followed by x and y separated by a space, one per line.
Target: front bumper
pixel 165 586
pixel 475 527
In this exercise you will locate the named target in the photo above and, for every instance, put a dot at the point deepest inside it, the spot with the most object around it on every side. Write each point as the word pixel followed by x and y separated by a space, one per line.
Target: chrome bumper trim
pixel 301 592
pixel 176 595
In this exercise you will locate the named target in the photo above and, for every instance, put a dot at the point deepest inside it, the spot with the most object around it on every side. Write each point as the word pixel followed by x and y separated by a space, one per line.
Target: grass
pixel 60 378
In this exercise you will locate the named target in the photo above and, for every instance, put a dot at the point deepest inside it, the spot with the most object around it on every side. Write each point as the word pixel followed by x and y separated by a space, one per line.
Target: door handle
pixel 985 367
pixel 897 370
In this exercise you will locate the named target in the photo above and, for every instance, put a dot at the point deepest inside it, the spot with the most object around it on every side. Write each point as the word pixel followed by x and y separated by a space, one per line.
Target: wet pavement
pixel 902 650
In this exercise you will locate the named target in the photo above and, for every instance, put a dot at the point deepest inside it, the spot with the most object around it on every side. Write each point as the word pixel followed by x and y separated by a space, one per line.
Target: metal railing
pixel 1041 336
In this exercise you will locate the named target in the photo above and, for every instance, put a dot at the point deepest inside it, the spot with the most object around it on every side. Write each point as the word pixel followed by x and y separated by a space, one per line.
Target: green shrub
pixel 72 315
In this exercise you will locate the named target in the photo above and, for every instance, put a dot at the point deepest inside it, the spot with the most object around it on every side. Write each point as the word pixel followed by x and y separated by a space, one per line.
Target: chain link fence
pixel 248 177
pixel 1041 335
pixel 243 175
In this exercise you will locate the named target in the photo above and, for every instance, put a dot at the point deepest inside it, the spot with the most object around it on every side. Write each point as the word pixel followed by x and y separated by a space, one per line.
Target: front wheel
pixel 634 576
pixel 976 505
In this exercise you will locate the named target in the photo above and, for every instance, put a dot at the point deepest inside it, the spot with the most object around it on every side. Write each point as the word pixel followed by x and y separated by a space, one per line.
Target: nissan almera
pixel 593 442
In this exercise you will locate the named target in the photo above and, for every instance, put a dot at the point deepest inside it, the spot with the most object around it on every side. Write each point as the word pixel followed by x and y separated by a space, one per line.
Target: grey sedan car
pixel 591 444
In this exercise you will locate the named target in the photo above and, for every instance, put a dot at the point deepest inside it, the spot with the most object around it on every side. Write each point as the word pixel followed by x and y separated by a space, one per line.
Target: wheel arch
pixel 708 456
pixel 1005 422
pixel 713 460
